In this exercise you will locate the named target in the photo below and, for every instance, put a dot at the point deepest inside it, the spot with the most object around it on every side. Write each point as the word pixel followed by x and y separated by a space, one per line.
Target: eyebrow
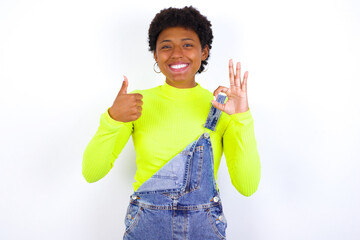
pixel 184 39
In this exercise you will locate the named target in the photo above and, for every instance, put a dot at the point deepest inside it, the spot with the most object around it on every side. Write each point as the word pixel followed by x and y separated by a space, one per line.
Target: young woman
pixel 180 133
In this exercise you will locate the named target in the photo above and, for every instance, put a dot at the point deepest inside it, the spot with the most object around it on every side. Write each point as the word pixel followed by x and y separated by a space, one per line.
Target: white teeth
pixel 178 66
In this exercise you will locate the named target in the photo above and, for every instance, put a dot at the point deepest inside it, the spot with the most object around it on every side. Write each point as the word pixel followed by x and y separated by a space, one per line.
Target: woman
pixel 179 133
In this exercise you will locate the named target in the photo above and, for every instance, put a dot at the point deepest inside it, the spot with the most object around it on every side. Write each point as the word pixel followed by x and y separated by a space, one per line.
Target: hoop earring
pixel 157 67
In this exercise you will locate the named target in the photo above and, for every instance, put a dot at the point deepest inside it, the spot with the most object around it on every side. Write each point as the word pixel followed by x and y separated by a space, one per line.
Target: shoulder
pixel 205 93
pixel 147 92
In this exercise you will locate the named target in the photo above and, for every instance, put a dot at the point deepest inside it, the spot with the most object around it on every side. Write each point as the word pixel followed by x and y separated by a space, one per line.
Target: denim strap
pixel 214 114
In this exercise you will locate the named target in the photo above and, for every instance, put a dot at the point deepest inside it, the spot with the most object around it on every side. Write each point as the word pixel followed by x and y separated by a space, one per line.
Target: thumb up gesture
pixel 126 107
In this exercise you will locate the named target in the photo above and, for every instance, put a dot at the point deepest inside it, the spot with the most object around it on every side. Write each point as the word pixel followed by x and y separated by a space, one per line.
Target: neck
pixel 182 85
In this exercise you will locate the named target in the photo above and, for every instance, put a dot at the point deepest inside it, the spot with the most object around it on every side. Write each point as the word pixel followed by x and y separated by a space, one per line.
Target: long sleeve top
pixel 172 118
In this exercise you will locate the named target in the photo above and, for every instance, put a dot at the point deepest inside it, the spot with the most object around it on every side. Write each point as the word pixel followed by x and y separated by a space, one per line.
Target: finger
pixel 218 105
pixel 123 89
pixel 231 73
pixel 139 102
pixel 244 84
pixel 138 96
pixel 238 75
pixel 223 89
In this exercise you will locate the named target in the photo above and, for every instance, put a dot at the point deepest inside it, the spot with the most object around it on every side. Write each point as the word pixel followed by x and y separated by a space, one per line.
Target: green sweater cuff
pixel 112 123
pixel 243 118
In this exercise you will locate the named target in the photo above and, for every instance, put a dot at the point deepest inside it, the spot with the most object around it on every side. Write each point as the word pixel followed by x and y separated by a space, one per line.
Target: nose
pixel 177 52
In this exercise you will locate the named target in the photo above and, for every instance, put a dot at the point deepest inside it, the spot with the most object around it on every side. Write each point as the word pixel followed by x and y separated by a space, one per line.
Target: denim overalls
pixel 180 201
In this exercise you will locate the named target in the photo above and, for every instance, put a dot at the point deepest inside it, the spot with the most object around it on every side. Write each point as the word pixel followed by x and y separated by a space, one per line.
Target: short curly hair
pixel 187 17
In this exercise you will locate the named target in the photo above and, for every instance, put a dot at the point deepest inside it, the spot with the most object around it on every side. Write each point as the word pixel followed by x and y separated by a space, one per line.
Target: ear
pixel 155 56
pixel 204 53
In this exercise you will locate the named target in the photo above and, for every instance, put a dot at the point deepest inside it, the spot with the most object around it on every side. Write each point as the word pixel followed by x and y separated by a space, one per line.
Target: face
pixel 179 55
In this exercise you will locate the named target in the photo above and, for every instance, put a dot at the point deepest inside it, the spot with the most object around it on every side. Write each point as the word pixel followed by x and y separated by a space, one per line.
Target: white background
pixel 61 66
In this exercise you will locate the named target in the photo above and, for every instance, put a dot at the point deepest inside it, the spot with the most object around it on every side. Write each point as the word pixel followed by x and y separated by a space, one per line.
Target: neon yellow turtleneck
pixel 172 118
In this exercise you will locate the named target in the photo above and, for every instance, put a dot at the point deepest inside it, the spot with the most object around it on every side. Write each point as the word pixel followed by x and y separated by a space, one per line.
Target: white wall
pixel 61 66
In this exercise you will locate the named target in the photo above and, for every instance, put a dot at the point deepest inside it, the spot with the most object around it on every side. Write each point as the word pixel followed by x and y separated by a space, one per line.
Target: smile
pixel 178 67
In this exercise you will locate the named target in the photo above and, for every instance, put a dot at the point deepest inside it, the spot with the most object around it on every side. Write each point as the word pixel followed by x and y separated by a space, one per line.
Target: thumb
pixel 124 86
pixel 218 105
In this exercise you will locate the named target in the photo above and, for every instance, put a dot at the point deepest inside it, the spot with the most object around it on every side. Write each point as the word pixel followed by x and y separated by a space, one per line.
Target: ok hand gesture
pixel 237 93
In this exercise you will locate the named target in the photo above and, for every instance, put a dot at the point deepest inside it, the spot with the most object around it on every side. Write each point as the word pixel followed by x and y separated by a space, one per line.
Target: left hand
pixel 237 93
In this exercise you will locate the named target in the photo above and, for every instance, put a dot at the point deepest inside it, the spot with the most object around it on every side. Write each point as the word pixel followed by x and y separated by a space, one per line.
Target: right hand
pixel 126 107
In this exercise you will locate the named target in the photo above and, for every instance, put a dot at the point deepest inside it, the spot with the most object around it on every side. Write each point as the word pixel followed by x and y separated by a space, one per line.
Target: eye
pixel 165 47
pixel 188 45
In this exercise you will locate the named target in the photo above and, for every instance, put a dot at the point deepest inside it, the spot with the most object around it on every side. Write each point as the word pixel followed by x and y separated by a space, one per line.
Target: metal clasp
pixel 206 135
pixel 215 199
pixel 134 197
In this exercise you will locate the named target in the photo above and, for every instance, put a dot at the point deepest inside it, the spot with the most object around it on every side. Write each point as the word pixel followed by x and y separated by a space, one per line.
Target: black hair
pixel 187 17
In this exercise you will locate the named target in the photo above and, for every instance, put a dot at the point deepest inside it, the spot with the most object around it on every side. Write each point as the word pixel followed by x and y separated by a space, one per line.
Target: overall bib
pixel 180 201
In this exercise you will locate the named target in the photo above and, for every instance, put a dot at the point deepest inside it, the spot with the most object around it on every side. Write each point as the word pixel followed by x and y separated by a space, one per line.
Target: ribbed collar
pixel 183 92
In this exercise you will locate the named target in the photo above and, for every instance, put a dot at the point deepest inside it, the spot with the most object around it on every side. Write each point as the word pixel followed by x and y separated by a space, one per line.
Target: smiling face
pixel 179 55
